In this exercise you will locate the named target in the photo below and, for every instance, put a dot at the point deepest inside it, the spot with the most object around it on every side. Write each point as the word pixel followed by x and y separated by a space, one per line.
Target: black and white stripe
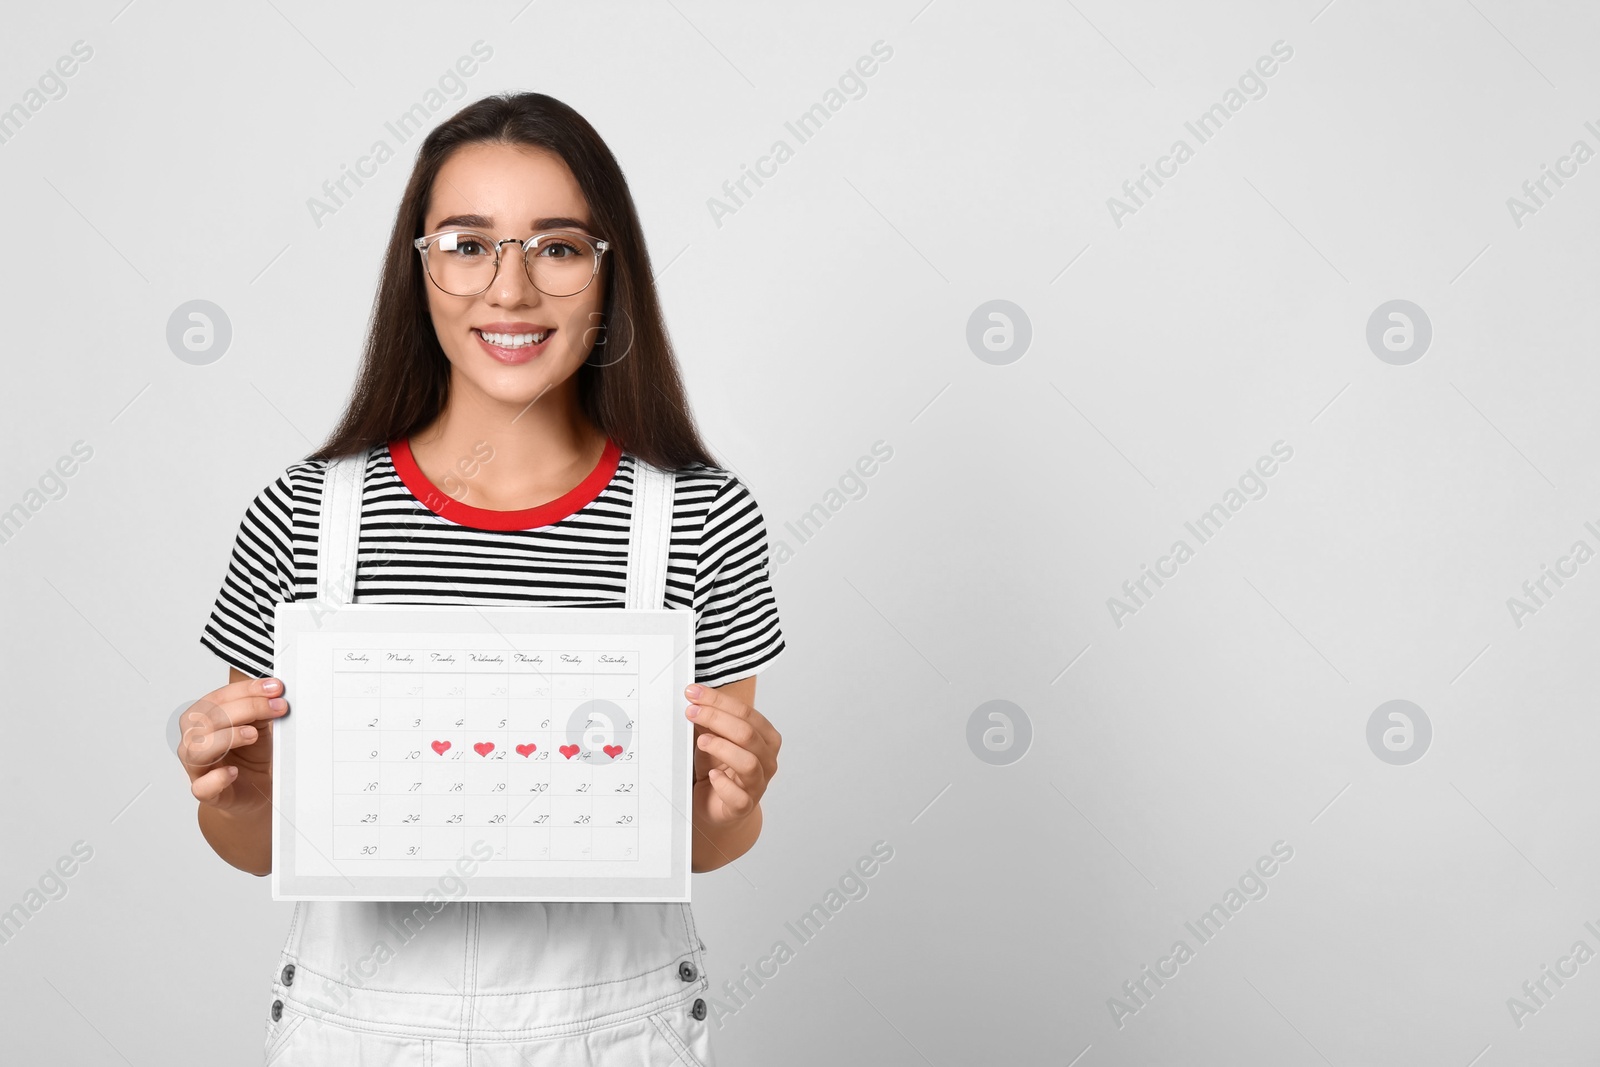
pixel 717 565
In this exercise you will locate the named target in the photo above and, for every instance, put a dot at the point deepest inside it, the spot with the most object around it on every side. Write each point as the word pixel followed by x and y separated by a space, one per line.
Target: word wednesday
pixel 1252 86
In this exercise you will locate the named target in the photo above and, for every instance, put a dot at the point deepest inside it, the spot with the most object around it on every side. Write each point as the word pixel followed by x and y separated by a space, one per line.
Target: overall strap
pixel 650 536
pixel 339 530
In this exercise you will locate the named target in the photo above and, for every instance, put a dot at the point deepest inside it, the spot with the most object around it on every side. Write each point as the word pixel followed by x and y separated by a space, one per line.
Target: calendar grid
pixel 536 752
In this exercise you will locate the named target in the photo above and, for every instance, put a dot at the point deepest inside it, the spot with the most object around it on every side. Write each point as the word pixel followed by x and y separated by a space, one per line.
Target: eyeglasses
pixel 466 262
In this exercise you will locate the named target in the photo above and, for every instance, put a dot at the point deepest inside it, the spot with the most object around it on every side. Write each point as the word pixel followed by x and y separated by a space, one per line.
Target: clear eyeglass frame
pixel 599 244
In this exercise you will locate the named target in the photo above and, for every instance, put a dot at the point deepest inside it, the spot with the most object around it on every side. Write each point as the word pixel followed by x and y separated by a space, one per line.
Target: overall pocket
pixel 684 1028
pixel 278 1035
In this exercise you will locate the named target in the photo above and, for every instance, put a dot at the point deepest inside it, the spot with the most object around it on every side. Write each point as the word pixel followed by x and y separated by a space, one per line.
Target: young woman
pixel 516 372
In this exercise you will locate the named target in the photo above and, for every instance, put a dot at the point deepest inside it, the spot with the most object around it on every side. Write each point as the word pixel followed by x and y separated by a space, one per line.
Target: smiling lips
pixel 513 342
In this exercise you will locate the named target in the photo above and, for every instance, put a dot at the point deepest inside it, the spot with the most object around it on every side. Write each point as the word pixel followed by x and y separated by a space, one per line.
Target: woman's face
pixel 512 191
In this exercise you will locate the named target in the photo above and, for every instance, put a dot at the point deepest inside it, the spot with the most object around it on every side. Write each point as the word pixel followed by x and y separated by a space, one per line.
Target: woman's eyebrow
pixel 483 222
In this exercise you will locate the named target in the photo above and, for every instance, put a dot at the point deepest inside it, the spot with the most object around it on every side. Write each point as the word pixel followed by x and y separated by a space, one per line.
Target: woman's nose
pixel 511 281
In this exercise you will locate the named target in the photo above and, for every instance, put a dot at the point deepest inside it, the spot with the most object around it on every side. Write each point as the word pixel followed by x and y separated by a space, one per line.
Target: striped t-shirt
pixel 419 545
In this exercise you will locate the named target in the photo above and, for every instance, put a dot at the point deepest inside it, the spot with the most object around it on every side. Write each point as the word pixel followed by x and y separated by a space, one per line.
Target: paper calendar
pixel 551 741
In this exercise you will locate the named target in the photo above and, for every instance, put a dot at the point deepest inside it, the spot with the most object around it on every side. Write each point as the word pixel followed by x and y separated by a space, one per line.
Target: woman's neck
pixel 489 457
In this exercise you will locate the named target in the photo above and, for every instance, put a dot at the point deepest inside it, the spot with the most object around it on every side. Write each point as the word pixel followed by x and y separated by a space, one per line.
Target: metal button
pixel 687 972
pixel 288 975
pixel 277 1010
pixel 699 1009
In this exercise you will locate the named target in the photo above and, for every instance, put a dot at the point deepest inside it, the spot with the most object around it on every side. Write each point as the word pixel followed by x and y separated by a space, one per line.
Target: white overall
pixel 493 984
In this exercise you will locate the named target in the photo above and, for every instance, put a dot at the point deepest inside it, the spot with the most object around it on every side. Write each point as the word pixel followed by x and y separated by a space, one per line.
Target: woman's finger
pixel 743 762
pixel 721 719
pixel 250 699
pixel 272 687
pixel 209 715
pixel 211 784
pixel 204 748
pixel 711 698
pixel 736 800
pixel 738 730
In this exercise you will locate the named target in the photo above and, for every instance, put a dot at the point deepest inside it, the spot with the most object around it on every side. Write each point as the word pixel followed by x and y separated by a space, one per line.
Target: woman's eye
pixel 469 247
pixel 552 249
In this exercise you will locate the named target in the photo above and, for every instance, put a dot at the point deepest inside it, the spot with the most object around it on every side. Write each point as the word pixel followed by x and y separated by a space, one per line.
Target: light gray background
pixel 831 312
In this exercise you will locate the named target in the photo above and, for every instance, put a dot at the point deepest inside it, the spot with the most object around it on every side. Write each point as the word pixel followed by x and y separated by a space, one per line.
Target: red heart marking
pixel 483 748
pixel 613 751
pixel 441 746
pixel 527 750
pixel 569 750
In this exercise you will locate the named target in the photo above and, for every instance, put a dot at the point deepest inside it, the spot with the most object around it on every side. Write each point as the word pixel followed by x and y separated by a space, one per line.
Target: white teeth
pixel 513 340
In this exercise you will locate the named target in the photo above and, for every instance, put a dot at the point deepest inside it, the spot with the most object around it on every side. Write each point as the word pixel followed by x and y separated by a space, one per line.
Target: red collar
pixel 446 506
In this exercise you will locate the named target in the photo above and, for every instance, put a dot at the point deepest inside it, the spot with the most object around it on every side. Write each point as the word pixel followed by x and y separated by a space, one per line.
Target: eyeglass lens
pixel 463 264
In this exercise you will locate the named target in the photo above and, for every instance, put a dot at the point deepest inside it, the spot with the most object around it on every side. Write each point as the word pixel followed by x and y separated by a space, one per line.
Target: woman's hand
pixel 226 744
pixel 736 755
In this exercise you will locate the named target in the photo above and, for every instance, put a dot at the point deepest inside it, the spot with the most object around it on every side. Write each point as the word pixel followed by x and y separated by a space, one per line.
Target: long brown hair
pixel 404 380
